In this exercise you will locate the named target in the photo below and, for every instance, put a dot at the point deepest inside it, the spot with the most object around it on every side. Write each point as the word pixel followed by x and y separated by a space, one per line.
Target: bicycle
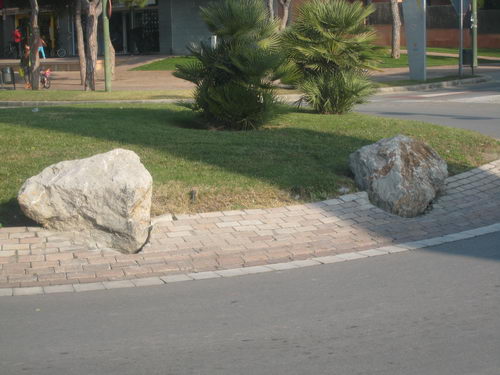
pixel 45 79
pixel 61 52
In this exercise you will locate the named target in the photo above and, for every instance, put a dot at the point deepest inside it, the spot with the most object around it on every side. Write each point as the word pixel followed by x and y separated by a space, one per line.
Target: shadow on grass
pixel 291 154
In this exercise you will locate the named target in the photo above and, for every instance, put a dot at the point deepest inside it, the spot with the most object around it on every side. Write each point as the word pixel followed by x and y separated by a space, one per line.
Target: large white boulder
pixel 401 175
pixel 106 197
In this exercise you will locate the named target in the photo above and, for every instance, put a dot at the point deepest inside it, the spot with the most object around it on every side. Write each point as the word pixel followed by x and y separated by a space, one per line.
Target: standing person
pixel 17 37
pixel 41 45
pixel 25 66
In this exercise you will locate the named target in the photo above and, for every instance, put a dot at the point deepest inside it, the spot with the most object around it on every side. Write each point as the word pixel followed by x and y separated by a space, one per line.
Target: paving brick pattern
pixel 32 257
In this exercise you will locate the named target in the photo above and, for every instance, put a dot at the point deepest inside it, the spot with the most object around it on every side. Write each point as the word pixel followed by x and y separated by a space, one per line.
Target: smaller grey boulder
pixel 106 198
pixel 401 175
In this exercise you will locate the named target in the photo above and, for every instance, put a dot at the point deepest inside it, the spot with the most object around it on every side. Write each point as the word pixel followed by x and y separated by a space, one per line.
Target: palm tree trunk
pixel 80 42
pixel 396 30
pixel 270 8
pixel 34 44
pixel 285 4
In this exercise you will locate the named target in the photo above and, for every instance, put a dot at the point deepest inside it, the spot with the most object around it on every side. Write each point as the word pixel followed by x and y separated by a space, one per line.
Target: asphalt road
pixel 433 311
pixel 473 107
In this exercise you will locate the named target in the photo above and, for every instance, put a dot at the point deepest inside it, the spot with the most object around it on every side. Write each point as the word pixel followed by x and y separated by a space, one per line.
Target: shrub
pixel 330 49
pixel 234 80
pixel 335 93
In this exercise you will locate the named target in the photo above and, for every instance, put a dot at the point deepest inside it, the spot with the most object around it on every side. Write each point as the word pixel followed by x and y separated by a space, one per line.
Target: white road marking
pixel 442 94
pixel 485 99
pixel 480 99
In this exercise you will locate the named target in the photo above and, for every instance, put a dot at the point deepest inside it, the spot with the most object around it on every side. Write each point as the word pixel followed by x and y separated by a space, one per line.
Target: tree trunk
pixel 93 13
pixel 112 58
pixel 34 44
pixel 285 4
pixel 80 41
pixel 270 8
pixel 396 30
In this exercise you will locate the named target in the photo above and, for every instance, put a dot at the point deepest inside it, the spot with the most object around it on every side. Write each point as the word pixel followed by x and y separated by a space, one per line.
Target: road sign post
pixel 474 34
pixel 460 6
pixel 461 52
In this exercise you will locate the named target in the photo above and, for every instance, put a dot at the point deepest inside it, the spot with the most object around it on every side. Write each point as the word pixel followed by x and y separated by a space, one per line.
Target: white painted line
pixel 442 94
pixel 351 256
pixel 330 259
pixel 31 291
pixel 231 272
pixel 118 284
pixel 256 269
pixel 480 99
pixel 175 278
pixel 306 263
pixel 58 289
pixel 282 266
pixel 5 292
pixel 393 249
pixel 148 281
pixel 373 252
pixel 203 275
pixel 89 287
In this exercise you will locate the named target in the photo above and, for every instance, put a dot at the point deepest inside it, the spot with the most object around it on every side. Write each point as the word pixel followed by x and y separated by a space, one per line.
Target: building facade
pixel 169 26
pixel 162 26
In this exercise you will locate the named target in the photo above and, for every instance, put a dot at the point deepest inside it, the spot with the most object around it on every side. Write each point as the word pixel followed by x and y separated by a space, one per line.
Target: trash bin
pixel 467 57
pixel 7 75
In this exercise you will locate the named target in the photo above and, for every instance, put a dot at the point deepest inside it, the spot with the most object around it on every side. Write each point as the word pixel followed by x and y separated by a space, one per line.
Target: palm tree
pixel 330 48
pixel 234 79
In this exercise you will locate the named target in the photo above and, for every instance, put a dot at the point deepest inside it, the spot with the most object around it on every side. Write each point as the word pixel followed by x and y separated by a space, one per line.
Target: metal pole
pixel 107 62
pixel 474 35
pixel 461 49
pixel 424 9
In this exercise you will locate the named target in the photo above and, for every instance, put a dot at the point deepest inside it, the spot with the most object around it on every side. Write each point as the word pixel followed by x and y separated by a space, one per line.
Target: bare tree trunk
pixel 93 13
pixel 34 44
pixel 285 4
pixel 270 8
pixel 80 41
pixel 396 30
pixel 112 57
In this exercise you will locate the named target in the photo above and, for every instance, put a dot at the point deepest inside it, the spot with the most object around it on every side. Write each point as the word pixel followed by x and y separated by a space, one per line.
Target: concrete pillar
pixel 187 25
pixel 165 26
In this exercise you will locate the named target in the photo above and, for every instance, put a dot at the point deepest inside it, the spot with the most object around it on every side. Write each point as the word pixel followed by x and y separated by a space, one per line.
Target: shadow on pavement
pixel 488 247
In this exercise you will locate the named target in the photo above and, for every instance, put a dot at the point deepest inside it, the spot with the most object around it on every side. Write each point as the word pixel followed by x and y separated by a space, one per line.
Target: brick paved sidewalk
pixel 32 256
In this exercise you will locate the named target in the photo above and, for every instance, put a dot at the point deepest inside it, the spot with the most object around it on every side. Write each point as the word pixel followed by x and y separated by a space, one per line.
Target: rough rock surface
pixel 106 197
pixel 401 175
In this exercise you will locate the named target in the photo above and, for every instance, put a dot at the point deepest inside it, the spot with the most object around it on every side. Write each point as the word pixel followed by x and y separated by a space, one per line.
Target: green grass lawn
pixel 489 52
pixel 82 96
pixel 386 62
pixel 78 95
pixel 166 64
pixel 299 157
